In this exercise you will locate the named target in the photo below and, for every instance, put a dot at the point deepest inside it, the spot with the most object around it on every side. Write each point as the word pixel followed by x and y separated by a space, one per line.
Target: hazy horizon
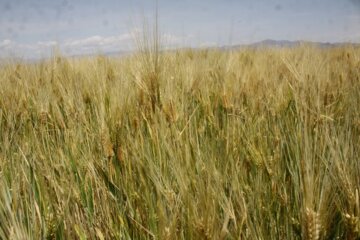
pixel 31 29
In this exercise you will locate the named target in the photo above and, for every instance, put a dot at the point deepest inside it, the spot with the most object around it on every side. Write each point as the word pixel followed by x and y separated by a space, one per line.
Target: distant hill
pixel 268 43
pixel 265 43
pixel 288 44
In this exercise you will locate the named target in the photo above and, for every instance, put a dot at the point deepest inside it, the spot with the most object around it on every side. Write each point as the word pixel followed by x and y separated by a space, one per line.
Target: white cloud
pixel 89 45
pixel 11 48
pixel 47 44
pixel 169 41
pixel 97 43
pixel 5 42
pixel 207 44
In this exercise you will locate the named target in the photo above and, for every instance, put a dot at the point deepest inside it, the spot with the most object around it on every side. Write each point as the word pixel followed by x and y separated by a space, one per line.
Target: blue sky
pixel 31 28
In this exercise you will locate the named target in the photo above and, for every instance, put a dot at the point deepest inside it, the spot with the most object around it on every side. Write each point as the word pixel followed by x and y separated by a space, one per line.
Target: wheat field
pixel 184 144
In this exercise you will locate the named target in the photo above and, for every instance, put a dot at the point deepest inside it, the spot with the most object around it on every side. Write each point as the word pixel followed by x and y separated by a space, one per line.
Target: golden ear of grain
pixel 201 228
pixel 353 224
pixel 108 147
pixel 109 150
pixel 43 117
pixel 226 103
pixel 119 154
pixel 170 112
pixel 312 225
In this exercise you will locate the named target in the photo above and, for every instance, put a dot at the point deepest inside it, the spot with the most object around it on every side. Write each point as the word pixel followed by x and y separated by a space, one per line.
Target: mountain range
pixel 288 44
pixel 268 43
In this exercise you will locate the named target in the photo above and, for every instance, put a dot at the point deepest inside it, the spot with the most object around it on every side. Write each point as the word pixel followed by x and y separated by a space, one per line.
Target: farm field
pixel 187 144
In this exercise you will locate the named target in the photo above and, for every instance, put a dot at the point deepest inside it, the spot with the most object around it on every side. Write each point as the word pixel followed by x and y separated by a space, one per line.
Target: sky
pixel 34 28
